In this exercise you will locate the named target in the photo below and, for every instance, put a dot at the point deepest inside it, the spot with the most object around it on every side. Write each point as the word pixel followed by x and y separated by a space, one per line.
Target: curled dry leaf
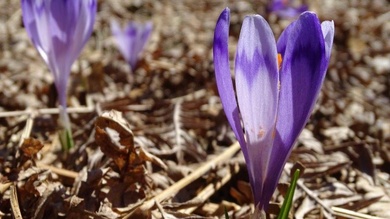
pixel 31 147
pixel 116 140
pixel 114 137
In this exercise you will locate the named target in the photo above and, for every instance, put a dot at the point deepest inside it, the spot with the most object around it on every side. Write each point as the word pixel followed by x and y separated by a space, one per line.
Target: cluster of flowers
pixel 277 83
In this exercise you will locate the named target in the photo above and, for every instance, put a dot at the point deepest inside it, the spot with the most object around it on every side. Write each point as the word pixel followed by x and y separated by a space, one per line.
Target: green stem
pixel 65 133
pixel 287 203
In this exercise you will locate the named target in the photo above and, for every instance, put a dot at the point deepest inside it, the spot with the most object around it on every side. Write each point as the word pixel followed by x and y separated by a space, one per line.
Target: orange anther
pixel 261 133
pixel 280 59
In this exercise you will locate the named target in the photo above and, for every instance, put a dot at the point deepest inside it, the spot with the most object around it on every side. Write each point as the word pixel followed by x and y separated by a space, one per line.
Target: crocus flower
pixel 59 29
pixel 286 9
pixel 277 85
pixel 131 40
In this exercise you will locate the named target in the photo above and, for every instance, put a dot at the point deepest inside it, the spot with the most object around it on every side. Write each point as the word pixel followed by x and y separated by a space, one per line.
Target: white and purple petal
pixel 257 79
pixel 34 19
pixel 328 33
pixel 59 29
pixel 301 76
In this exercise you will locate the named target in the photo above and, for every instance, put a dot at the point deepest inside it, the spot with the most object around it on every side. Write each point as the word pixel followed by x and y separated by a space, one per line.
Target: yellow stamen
pixel 280 59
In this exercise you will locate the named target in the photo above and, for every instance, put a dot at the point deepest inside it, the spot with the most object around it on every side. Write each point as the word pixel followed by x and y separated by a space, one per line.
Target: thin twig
pixel 15 203
pixel 27 129
pixel 172 190
pixel 210 189
pixel 45 111
pixel 4 187
pixel 193 95
pixel 59 171
pixel 313 196
pixel 88 109
pixel 178 131
pixel 351 214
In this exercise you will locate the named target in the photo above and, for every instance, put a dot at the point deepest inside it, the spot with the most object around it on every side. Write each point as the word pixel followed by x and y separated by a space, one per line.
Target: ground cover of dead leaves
pixel 167 151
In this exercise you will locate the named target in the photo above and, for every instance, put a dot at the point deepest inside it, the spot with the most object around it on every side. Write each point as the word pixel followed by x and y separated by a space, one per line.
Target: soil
pixel 176 156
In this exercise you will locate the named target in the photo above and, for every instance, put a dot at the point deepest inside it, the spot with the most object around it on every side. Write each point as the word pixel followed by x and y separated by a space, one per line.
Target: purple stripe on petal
pixel 301 78
pixel 301 75
pixel 257 94
pixel 283 38
pixel 223 77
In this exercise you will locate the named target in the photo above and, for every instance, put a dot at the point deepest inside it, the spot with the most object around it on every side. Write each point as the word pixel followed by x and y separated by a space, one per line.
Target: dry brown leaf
pixel 240 198
pixel 114 137
pixel 31 147
pixel 116 140
pixel 245 189
pixel 106 210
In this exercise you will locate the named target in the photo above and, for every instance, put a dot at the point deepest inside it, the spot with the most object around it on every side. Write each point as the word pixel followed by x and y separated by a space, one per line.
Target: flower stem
pixel 285 209
pixel 65 133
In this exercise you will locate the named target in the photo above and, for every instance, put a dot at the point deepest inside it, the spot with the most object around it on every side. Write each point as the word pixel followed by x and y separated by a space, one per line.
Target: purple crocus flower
pixel 131 40
pixel 285 8
pixel 275 98
pixel 59 29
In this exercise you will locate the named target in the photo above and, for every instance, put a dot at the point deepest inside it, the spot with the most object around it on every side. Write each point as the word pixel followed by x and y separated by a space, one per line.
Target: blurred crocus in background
pixel 59 29
pixel 131 40
pixel 287 8
pixel 277 85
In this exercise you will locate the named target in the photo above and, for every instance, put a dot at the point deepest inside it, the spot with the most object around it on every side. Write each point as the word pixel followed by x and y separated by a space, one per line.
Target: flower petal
pixel 124 44
pixel 84 26
pixel 328 32
pixel 131 40
pixel 301 75
pixel 286 9
pixel 59 29
pixel 257 95
pixel 283 38
pixel 301 78
pixel 142 33
pixel 223 77
pixel 33 13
